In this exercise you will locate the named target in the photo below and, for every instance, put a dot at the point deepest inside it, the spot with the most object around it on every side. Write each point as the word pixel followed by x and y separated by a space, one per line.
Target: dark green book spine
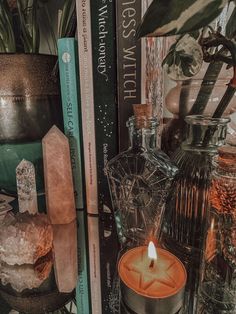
pixel 129 63
pixel 105 108
pixel 139 66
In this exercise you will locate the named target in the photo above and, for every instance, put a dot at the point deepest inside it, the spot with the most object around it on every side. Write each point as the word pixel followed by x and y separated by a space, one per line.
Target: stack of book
pixel 102 75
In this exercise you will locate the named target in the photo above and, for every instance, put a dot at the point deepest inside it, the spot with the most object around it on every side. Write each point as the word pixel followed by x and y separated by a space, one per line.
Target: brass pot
pixel 43 299
pixel 29 97
pixel 38 303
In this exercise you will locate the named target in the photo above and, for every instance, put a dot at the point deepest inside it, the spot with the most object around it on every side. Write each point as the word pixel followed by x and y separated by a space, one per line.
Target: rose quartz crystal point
pixel 61 207
pixel 65 256
pixel 58 177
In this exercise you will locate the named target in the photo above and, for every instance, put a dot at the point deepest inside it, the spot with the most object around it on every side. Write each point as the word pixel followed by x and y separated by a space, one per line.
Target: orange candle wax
pixel 152 281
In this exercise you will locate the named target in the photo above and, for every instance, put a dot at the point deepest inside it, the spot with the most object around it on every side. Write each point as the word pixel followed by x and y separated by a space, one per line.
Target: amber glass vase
pixel 187 206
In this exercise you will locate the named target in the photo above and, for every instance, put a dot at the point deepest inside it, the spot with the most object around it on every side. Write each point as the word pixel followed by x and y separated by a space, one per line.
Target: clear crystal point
pixel 26 187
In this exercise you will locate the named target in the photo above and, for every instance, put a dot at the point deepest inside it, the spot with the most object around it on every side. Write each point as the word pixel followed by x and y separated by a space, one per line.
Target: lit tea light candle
pixel 152 254
pixel 152 280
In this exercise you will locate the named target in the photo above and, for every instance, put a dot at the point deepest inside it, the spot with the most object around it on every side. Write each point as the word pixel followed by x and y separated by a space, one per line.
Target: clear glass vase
pixel 191 97
pixel 139 180
pixel 217 289
pixel 186 209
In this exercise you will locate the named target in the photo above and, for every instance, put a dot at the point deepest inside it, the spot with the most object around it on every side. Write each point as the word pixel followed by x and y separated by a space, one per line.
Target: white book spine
pixel 94 264
pixel 88 126
pixel 87 102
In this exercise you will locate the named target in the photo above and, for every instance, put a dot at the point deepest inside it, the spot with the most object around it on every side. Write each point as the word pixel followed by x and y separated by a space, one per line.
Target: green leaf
pixel 27 10
pixel 67 18
pixel 2 46
pixel 185 58
pixel 172 17
pixel 6 28
pixel 186 70
pixel 230 31
pixel 46 21
pixel 169 59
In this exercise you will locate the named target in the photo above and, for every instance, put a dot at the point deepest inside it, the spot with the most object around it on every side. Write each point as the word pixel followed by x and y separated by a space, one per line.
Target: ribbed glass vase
pixel 185 219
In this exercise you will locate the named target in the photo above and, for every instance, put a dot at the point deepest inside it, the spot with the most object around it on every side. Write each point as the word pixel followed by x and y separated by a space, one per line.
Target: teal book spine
pixel 70 94
pixel 68 60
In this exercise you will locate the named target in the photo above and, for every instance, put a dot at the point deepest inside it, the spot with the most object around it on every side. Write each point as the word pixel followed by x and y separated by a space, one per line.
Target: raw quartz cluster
pixel 25 238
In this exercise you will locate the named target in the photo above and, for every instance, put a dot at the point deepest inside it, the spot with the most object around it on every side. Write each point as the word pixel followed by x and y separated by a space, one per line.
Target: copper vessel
pixel 37 303
pixel 29 97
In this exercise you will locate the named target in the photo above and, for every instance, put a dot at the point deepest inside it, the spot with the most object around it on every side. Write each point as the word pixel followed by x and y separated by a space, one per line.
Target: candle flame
pixel 152 252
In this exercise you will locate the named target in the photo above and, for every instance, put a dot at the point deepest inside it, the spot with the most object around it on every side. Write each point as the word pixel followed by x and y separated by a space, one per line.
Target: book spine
pixel 129 61
pixel 105 105
pixel 138 66
pixel 68 60
pixel 68 69
pixel 94 256
pixel 88 123
pixel 87 103
pixel 83 286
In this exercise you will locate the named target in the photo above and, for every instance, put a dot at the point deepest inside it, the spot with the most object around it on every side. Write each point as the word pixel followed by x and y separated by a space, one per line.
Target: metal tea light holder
pixel 151 286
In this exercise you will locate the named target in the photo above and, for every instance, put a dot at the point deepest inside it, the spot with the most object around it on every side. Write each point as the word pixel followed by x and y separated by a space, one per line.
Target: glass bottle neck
pixel 142 138
pixel 142 133
pixel 205 134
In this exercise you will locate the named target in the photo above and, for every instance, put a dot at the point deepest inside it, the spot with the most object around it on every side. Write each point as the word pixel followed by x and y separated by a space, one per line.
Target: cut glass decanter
pixel 139 180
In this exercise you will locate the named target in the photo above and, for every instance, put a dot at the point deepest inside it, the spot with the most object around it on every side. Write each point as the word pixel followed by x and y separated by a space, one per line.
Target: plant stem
pixel 206 88
pixel 228 95
pixel 210 77
pixel 230 91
